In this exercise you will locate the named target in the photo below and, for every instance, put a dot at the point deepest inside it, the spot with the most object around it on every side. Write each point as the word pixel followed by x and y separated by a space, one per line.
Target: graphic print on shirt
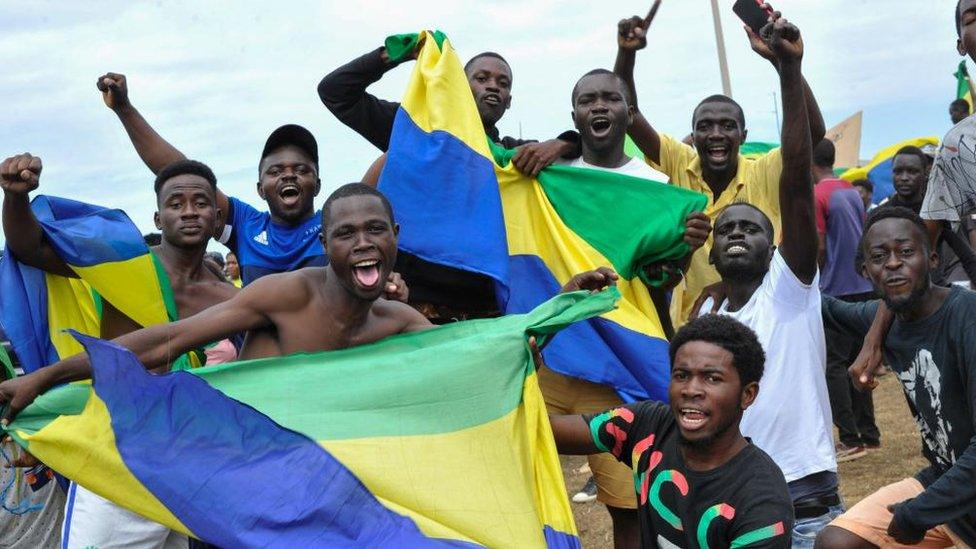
pixel 924 380
pixel 677 506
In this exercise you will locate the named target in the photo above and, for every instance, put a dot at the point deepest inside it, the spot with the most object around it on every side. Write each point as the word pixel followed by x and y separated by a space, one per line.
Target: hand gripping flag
pixel 104 248
pixel 424 439
pixel 461 203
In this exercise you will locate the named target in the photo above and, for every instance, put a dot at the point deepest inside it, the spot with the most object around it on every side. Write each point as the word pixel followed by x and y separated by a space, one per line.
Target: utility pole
pixel 723 63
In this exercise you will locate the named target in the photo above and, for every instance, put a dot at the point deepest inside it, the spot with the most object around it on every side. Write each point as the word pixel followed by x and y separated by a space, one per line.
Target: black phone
pixel 751 13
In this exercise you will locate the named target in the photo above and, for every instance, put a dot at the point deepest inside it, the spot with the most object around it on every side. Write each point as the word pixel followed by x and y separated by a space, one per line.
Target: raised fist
pixel 20 174
pixel 114 90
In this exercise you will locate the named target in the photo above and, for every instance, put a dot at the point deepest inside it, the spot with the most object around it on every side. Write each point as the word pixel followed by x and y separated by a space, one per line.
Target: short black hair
pixel 866 183
pixel 487 54
pixel 719 98
pixel 960 103
pixel 730 334
pixel 184 167
pixel 152 239
pixel 913 150
pixel 354 189
pixel 766 221
pixel 623 85
pixel 824 154
pixel 890 212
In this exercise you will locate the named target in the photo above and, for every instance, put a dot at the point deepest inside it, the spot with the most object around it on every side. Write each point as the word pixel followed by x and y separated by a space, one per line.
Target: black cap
pixel 292 134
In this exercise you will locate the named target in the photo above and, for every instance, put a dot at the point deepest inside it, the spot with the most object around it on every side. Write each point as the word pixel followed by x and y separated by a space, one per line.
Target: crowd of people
pixel 797 289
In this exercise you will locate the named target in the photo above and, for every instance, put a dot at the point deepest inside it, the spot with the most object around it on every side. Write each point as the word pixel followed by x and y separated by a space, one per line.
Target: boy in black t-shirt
pixel 699 482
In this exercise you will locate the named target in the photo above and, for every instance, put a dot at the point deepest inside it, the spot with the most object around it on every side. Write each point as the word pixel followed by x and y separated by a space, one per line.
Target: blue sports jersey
pixel 263 247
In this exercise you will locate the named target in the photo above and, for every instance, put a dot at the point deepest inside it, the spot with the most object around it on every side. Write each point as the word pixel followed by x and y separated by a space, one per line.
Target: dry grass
pixel 898 458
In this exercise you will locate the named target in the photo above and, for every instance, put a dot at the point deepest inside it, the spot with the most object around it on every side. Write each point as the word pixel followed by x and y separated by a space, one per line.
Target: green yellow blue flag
pixel 461 203
pixel 433 438
pixel 104 248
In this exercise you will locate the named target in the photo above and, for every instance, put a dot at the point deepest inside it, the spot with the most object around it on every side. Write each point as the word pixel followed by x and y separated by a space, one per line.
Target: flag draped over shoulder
pixel 879 169
pixel 104 248
pixel 461 203
pixel 442 430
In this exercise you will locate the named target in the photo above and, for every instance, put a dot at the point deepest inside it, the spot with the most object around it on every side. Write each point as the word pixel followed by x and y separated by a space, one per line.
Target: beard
pixel 905 305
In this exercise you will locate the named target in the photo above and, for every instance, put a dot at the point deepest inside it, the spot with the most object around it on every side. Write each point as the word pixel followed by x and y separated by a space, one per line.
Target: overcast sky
pixel 215 78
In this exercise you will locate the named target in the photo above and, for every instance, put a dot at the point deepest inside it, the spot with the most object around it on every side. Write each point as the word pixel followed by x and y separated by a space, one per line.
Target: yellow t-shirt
pixel 755 182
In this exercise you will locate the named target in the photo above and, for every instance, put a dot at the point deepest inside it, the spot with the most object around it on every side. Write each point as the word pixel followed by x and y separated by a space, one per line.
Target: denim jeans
pixel 805 530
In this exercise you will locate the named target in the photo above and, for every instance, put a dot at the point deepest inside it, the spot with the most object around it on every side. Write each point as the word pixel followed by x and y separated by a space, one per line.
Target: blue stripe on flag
pixel 597 350
pixel 184 440
pixel 429 178
pixel 23 313
pixel 78 231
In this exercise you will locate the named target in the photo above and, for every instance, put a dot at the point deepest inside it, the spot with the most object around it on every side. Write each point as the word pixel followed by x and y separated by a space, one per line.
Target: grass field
pixel 899 457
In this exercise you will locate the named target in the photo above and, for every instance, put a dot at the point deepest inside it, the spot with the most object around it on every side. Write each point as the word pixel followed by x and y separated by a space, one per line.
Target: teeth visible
pixel 736 249
pixel 366 263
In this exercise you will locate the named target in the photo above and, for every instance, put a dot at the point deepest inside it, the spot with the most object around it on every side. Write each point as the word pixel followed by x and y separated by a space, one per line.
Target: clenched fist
pixel 20 174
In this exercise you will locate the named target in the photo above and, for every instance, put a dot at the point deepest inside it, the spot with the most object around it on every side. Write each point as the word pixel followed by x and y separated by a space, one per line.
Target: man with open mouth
pixel 286 237
pixel 775 291
pixel 699 483
pixel 713 165
pixel 441 293
pixel 602 112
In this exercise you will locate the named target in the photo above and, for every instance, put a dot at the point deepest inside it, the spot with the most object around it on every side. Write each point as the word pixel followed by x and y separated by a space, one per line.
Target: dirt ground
pixel 899 457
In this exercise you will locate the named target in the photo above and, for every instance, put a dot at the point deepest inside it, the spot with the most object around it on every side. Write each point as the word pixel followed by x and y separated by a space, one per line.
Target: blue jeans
pixel 805 530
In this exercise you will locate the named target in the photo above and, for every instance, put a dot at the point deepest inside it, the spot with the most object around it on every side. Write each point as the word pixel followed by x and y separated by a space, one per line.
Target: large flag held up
pixel 444 430
pixel 107 252
pixel 461 203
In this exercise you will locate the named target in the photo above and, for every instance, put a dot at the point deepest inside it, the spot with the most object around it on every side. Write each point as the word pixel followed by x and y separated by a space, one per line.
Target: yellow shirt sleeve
pixel 675 157
pixel 763 187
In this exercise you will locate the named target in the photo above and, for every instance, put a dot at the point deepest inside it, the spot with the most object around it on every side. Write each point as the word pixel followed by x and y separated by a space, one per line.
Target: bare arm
pixel 799 244
pixel 821 250
pixel 817 127
pixel 572 435
pixel 631 37
pixel 155 152
pixel 161 344
pixel 871 355
pixel 19 175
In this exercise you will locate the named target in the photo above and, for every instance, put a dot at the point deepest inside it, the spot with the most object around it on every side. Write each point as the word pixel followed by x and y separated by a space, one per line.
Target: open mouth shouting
pixel 366 273
pixel 692 419
pixel 600 126
pixel 718 154
pixel 290 194
pixel 736 250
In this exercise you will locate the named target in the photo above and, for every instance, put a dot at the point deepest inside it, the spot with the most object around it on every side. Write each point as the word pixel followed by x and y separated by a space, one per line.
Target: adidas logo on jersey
pixel 262 238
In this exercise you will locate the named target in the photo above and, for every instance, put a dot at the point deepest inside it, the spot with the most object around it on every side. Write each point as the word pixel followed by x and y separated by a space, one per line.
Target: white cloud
pixel 215 77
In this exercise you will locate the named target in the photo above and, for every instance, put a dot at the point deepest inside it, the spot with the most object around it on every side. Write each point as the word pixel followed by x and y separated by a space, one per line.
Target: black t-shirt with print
pixel 935 360
pixel 743 503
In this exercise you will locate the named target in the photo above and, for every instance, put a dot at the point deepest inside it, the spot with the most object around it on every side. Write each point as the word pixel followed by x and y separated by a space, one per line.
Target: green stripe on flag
pixel 585 200
pixel 421 374
pixel 401 46
pixel 65 400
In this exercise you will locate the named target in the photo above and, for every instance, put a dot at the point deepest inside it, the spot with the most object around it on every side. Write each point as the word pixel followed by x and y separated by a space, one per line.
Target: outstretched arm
pixel 799 244
pixel 161 344
pixel 817 127
pixel 155 151
pixel 631 37
pixel 571 432
pixel 19 175
pixel 343 92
